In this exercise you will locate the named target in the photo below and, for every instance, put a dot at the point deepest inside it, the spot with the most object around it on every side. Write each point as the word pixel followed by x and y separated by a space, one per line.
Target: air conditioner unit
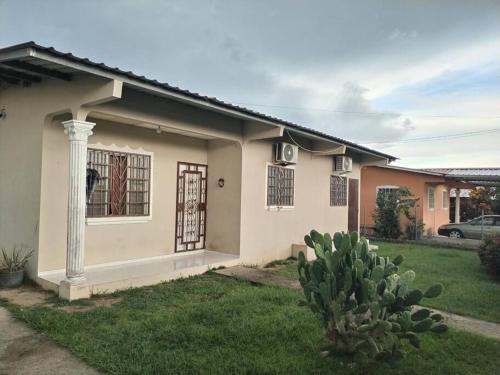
pixel 342 164
pixel 285 153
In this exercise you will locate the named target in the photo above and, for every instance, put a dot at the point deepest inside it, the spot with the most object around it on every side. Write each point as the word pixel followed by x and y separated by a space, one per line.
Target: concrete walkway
pixel 25 352
pixel 266 277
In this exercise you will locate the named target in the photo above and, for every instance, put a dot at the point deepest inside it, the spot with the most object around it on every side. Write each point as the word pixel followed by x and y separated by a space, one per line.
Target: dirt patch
pixel 92 304
pixel 26 296
pixel 29 296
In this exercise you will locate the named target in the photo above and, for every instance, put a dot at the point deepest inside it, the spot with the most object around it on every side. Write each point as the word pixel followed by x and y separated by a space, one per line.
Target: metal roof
pixel 469 172
pixel 31 54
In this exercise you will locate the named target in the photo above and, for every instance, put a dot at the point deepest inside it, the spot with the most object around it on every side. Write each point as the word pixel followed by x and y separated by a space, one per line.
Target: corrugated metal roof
pixel 209 100
pixel 460 172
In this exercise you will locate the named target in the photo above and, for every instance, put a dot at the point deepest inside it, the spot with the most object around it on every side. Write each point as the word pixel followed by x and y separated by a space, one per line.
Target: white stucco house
pixel 116 180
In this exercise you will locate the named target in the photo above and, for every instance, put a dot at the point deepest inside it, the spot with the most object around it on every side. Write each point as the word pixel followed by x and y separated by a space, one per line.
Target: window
pixel 338 191
pixel 446 199
pixel 430 197
pixel 122 186
pixel 280 186
pixel 389 189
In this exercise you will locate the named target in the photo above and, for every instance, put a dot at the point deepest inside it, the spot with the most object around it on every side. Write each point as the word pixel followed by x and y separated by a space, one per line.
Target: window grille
pixel 280 186
pixel 338 191
pixel 430 197
pixel 123 188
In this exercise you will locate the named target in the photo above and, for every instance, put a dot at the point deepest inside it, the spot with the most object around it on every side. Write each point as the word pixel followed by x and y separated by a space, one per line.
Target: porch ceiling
pixel 148 125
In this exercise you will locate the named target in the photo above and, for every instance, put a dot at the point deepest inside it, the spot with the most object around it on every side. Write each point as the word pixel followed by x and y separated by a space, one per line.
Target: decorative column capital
pixel 77 130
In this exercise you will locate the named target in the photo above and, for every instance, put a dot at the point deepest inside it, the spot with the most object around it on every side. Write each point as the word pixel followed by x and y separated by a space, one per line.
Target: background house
pixel 433 188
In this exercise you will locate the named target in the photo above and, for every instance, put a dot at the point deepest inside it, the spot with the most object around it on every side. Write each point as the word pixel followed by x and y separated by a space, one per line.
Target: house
pixel 432 187
pixel 116 180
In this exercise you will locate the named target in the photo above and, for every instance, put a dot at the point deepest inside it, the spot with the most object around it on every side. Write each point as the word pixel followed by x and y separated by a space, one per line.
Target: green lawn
pixel 468 289
pixel 216 325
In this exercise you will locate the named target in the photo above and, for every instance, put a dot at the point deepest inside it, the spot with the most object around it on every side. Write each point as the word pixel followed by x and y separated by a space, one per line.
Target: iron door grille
pixel 191 206
pixel 124 184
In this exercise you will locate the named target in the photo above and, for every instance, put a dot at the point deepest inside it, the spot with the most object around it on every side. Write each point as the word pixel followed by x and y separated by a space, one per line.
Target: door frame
pixel 193 168
pixel 353 183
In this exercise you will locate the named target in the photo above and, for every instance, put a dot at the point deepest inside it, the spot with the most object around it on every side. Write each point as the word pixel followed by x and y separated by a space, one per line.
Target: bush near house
pixel 390 206
pixel 489 253
pixel 364 304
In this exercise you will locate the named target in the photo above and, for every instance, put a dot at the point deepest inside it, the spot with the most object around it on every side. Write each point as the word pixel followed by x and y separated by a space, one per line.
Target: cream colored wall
pixel 114 242
pixel 267 235
pixel 224 204
pixel 20 155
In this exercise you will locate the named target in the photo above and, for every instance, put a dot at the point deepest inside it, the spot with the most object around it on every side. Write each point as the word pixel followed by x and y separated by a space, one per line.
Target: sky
pixel 416 79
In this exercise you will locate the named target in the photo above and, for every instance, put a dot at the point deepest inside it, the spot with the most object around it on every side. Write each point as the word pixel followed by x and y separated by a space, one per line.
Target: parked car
pixel 472 229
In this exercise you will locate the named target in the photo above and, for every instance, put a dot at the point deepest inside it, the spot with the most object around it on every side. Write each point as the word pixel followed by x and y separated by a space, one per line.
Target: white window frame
pixel 446 202
pixel 275 207
pixel 429 189
pixel 126 219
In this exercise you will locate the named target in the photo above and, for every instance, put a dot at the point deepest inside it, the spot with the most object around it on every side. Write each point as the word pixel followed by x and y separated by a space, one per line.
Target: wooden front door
pixel 191 206
pixel 353 205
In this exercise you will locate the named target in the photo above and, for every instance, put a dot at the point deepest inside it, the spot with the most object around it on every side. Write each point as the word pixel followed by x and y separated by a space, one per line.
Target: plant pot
pixel 11 279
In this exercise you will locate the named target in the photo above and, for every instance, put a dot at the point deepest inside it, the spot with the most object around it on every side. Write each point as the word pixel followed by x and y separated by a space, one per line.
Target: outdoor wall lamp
pixel 3 114
pixel 220 183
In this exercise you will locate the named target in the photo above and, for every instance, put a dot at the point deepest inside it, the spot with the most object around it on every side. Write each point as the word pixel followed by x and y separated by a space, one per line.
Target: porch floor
pixel 107 278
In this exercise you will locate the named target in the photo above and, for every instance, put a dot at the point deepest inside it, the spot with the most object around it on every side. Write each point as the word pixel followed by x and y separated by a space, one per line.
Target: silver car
pixel 474 229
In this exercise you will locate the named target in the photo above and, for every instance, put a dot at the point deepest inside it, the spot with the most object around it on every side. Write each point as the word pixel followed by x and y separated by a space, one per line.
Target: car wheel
pixel 455 234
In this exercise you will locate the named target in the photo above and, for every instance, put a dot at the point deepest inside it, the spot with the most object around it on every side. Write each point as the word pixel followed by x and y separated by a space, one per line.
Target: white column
pixel 457 205
pixel 75 286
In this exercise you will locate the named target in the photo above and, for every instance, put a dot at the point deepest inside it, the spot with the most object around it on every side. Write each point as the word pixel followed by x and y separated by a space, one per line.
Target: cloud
pixel 301 60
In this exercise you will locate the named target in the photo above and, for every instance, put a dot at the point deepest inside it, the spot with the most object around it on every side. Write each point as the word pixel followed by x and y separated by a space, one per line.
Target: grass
pixel 211 324
pixel 468 289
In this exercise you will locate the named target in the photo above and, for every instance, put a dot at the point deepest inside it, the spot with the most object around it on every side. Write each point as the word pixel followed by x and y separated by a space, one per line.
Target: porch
pixel 109 277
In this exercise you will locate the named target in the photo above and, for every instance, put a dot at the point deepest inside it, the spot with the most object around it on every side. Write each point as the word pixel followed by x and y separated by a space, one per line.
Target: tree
pixel 487 198
pixel 390 205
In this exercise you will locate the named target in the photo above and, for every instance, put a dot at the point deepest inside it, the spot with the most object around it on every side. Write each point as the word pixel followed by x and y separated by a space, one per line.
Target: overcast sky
pixel 376 72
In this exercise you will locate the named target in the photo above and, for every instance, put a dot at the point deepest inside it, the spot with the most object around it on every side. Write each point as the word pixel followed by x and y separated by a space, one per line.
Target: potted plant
pixel 12 266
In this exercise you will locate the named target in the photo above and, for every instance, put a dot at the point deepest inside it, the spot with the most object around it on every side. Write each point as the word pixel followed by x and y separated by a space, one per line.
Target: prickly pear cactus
pixel 365 305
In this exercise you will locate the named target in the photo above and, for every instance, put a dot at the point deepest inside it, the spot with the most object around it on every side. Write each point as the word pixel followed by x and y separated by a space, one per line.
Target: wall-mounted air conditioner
pixel 285 153
pixel 342 164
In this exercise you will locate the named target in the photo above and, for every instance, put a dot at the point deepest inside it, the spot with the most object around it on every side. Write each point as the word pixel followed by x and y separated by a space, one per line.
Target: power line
pixel 395 114
pixel 437 137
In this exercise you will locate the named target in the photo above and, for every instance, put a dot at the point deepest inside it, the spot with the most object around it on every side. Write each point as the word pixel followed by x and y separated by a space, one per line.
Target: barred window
pixel 430 197
pixel 280 186
pixel 123 184
pixel 386 190
pixel 338 191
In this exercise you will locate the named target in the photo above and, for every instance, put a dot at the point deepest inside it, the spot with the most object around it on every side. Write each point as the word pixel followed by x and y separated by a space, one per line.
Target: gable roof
pixel 64 64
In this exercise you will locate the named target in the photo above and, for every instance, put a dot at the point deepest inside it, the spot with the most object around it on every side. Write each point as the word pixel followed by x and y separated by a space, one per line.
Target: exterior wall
pixel 224 203
pixel 20 154
pixel 34 163
pixel 267 235
pixel 434 218
pixel 417 183
pixel 114 242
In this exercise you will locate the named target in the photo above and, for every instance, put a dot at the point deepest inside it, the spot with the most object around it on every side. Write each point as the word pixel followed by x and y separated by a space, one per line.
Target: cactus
pixel 364 304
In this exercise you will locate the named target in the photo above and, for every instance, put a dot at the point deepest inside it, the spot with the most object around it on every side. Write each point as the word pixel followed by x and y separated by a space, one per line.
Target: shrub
pixel 364 304
pixel 412 233
pixel 390 206
pixel 489 253
pixel 16 260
